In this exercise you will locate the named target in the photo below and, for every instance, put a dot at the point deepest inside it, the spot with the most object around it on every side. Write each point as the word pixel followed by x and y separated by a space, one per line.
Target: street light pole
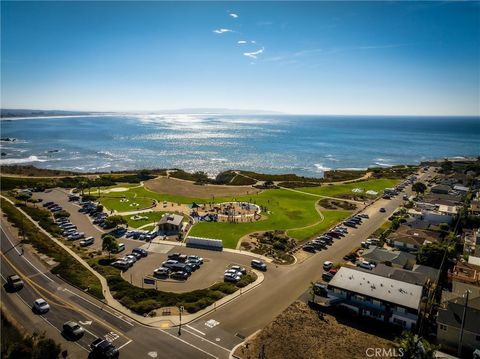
pixel 180 310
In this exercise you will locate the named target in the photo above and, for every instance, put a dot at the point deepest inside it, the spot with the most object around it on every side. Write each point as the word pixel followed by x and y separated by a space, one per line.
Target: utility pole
pixel 459 353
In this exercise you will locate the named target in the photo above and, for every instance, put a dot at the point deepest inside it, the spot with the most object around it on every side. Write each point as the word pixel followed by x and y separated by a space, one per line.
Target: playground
pixel 232 212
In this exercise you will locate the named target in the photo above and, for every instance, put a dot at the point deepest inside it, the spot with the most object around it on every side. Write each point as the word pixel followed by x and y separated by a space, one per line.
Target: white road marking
pixel 111 336
pixel 119 316
pixel 87 322
pixel 152 354
pixel 211 323
pixel 198 331
pixel 190 344
pixel 38 270
pixel 203 339
pixel 124 345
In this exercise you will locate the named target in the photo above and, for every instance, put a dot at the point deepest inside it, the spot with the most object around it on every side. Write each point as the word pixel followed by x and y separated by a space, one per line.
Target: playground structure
pixel 233 212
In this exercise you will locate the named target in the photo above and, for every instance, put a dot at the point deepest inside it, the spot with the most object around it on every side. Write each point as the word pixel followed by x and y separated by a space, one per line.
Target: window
pixel 400 322
pixel 377 303
pixel 400 310
pixel 359 297
pixel 444 327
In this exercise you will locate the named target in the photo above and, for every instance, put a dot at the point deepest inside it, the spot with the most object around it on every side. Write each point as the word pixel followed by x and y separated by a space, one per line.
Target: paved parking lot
pixel 214 265
pixel 209 273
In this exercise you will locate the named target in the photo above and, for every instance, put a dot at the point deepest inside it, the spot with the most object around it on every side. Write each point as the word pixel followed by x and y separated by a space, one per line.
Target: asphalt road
pixel 212 335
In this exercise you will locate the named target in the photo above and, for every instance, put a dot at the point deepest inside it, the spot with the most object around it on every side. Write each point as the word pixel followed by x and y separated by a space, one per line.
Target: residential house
pixel 460 189
pixel 370 295
pixel 429 217
pixel 408 239
pixel 419 275
pixel 464 276
pixel 170 224
pixel 441 189
pixel 395 258
pixel 475 204
pixel 449 322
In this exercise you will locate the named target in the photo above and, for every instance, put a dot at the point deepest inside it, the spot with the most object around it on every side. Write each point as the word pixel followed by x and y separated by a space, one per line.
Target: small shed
pixel 204 243
pixel 170 224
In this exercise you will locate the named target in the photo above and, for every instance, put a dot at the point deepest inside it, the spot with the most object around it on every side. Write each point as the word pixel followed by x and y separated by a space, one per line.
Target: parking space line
pixel 198 331
pixel 124 345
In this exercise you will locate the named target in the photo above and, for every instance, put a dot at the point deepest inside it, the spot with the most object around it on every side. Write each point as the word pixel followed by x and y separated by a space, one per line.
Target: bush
pixel 61 214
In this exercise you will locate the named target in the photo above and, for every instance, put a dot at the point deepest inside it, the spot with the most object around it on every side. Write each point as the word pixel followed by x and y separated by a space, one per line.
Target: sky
pixel 360 58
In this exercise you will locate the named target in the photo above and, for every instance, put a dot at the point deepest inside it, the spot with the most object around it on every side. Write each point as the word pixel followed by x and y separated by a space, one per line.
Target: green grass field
pixel 151 217
pixel 377 185
pixel 116 204
pixel 291 211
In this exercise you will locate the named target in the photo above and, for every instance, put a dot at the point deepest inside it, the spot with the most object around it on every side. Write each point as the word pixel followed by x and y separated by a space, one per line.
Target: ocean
pixel 305 145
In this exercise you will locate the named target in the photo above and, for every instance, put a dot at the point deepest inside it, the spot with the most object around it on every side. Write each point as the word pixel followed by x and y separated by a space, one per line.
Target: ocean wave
pixel 382 164
pixel 321 168
pixel 8 161
pixel 352 169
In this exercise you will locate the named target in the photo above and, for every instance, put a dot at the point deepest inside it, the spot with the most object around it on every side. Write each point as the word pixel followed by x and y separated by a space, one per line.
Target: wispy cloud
pixel 254 54
pixel 232 14
pixel 241 42
pixel 222 31
pixel 366 47
pixel 253 42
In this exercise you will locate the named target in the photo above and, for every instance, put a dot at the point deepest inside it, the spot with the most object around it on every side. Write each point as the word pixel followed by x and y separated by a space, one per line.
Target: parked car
pixel 327 265
pixel 140 251
pixel 229 277
pixel 72 329
pixel 75 236
pixel 182 267
pixel 131 257
pixel 121 247
pixel 179 275
pixel 363 215
pixel 87 241
pixel 258 264
pixel 41 306
pixel 169 263
pixel 365 265
pixel 193 265
pixel 239 269
pixel 373 241
pixel 309 248
pixel 334 234
pixel 161 272
pixel 200 259
pixel 174 255
pixel 382 210
pixel 14 282
pixel 46 204
pixel 102 348
pixel 121 264
pixel 233 272
pixel 136 255
pixel 327 276
pixel 350 224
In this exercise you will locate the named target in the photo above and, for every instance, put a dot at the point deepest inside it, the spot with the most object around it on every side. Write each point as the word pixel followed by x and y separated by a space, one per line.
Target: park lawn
pixel 377 185
pixel 151 217
pixel 331 218
pixel 288 210
pixel 114 203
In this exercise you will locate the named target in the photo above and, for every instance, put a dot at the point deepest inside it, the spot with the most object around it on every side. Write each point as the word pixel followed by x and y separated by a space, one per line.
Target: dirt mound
pixel 189 189
pixel 300 332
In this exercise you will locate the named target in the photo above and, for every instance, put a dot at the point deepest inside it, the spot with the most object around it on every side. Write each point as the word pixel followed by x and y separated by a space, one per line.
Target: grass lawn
pixel 288 210
pixel 377 185
pixel 151 217
pixel 115 202
pixel 331 218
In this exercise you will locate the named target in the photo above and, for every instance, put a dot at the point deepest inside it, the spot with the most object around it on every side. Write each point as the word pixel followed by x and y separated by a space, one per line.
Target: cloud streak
pixel 241 42
pixel 254 54
pixel 222 31
pixel 235 16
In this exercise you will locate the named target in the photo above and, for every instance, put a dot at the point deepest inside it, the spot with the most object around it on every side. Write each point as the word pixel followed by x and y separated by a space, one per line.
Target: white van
pixel 121 247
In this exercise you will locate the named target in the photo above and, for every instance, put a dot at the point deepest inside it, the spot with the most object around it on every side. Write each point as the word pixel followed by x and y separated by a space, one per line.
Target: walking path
pixel 322 196
pixel 158 321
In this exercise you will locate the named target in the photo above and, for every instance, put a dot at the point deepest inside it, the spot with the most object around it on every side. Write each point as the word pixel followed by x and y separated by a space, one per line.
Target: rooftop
pixel 406 234
pixel 174 219
pixel 381 255
pixel 453 313
pixel 375 286
pixel 465 272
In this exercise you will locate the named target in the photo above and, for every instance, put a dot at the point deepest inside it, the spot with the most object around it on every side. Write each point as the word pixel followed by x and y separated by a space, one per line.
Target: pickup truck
pixel 102 348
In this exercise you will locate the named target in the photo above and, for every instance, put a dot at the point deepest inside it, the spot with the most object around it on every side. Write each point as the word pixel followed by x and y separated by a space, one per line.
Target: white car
pixel 327 265
pixel 131 257
pixel 233 272
pixel 41 306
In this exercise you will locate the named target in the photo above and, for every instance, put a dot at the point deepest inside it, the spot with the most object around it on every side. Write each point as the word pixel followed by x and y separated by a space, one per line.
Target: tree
pixel 100 208
pixel 432 254
pixel 446 166
pixel 23 197
pixel 419 187
pixel 46 349
pixel 114 221
pixel 415 347
pixel 109 244
pixel 61 214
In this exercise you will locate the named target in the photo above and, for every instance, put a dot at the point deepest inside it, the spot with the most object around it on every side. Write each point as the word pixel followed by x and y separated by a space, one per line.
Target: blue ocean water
pixel 306 145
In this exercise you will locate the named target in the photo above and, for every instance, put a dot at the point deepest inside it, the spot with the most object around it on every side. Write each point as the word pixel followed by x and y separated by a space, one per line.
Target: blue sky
pixel 295 57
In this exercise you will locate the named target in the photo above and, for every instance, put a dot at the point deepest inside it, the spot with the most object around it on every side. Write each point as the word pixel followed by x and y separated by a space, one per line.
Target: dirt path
pixel 321 196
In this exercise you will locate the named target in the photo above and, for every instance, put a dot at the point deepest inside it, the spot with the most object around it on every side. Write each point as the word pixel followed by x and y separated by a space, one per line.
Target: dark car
pixel 140 251
pixel 327 276
pixel 382 210
pixel 174 256
pixel 334 234
pixel 309 248
pixel 350 224
pixel 14 282
pixel 102 348
pixel 179 275
pixel 258 264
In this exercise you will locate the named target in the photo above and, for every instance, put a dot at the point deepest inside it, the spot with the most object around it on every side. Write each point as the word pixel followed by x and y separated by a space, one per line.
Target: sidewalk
pixel 158 321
